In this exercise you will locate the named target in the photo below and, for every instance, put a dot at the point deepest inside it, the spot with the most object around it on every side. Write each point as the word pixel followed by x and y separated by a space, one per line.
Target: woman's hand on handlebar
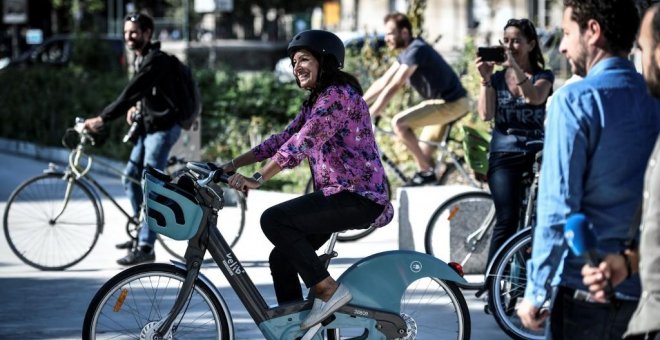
pixel 228 167
pixel 93 124
pixel 242 183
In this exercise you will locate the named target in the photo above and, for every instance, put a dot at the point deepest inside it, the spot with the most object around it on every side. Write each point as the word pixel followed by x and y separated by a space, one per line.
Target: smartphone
pixel 494 53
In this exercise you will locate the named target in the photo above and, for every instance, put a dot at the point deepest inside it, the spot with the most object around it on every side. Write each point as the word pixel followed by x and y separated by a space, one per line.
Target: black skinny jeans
pixel 505 174
pixel 300 226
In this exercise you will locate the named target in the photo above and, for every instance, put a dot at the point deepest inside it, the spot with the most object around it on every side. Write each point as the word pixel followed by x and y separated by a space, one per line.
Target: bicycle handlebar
pixel 208 172
pixel 79 128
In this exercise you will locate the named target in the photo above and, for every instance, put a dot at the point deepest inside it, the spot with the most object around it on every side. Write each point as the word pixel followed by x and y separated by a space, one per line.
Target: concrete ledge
pixel 416 205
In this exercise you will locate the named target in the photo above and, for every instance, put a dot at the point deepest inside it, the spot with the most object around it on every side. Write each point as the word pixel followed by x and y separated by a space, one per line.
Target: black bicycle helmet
pixel 320 42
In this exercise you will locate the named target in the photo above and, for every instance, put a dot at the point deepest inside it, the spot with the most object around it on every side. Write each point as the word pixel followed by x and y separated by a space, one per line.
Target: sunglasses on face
pixel 133 17
pixel 524 25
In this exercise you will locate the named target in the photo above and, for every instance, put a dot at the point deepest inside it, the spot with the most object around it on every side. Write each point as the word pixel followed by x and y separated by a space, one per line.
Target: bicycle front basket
pixel 170 210
pixel 475 145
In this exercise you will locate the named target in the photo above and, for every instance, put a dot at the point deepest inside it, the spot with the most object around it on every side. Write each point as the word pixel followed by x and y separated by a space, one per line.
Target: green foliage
pixel 416 9
pixel 42 102
pixel 471 80
pixel 242 110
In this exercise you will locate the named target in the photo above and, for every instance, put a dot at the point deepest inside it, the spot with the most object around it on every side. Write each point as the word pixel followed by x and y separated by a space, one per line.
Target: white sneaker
pixel 321 310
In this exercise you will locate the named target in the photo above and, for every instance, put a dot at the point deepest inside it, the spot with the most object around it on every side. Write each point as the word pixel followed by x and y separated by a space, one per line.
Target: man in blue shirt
pixel 599 135
pixel 445 99
pixel 644 259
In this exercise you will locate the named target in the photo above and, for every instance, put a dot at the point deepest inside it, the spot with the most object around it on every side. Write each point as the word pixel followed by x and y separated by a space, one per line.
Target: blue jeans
pixel 150 149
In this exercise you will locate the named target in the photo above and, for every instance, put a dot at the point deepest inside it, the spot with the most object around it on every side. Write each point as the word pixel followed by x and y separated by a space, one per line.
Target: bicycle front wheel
pixel 435 309
pixel 231 221
pixel 468 219
pixel 48 230
pixel 134 300
pixel 507 288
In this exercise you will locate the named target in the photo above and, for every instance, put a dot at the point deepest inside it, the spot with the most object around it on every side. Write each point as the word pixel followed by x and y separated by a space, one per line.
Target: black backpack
pixel 186 99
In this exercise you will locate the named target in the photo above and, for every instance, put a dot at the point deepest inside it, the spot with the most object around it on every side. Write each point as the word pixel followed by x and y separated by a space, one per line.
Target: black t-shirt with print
pixel 514 112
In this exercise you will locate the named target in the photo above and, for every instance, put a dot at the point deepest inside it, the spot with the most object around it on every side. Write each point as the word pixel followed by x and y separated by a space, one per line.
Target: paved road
pixel 51 305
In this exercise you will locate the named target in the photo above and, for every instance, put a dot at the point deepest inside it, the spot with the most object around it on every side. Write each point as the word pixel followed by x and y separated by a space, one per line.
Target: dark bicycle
pixel 470 217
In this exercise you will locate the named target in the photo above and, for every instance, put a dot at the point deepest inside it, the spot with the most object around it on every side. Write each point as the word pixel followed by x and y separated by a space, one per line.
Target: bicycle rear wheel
pixel 46 231
pixel 135 299
pixel 231 221
pixel 507 287
pixel 468 219
pixel 435 309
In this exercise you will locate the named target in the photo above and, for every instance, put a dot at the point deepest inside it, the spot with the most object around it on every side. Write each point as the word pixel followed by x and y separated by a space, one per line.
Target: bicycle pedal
pixel 487 309
pixel 328 320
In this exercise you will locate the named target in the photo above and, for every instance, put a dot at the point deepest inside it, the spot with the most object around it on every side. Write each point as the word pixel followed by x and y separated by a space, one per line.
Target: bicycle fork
pixel 65 200
pixel 163 328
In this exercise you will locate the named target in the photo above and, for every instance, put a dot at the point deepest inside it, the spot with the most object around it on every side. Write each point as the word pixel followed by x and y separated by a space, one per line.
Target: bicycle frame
pixel 445 155
pixel 75 170
pixel 375 310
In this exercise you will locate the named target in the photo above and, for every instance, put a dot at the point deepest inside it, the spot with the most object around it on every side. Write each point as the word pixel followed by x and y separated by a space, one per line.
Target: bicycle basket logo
pixel 415 266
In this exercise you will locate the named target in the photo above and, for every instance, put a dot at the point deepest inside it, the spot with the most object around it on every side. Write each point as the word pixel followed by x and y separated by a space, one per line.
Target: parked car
pixel 353 42
pixel 58 50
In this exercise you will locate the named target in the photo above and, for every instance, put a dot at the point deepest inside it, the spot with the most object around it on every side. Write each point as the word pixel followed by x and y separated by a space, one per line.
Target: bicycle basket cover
pixel 475 146
pixel 169 210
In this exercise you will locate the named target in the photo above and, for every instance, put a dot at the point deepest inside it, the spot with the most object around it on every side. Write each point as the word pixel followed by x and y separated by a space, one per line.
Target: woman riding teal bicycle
pixel 333 131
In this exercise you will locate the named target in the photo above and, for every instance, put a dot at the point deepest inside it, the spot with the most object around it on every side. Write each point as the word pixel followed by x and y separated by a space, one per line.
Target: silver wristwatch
pixel 259 178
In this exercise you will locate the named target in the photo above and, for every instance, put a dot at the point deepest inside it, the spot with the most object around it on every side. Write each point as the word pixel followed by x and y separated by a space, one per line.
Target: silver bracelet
pixel 233 165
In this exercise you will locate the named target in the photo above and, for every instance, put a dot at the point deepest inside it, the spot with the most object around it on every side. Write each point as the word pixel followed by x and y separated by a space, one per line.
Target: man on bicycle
pixel 145 98
pixel 445 99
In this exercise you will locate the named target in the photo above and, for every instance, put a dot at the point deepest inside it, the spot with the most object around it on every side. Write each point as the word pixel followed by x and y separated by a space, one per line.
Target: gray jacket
pixel 647 316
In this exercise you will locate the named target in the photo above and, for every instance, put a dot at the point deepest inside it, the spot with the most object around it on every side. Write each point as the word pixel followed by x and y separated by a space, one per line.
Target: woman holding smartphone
pixel 515 98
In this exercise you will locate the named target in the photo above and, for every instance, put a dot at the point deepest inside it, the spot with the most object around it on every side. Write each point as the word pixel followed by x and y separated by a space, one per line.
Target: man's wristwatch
pixel 259 178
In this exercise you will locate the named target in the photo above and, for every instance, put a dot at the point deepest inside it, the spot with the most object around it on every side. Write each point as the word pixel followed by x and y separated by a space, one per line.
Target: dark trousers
pixel 300 226
pixel 575 319
pixel 647 336
pixel 505 174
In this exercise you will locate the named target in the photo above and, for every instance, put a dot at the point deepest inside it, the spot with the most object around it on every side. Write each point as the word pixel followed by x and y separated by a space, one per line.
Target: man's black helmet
pixel 320 42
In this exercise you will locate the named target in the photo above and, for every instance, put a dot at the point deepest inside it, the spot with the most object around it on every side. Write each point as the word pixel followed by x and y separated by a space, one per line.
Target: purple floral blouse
pixel 335 134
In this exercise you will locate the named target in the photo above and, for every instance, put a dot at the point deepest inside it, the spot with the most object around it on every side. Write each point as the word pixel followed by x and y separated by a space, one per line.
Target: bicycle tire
pixel 461 216
pixel 144 294
pixel 38 240
pixel 425 301
pixel 233 213
pixel 350 235
pixel 506 287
